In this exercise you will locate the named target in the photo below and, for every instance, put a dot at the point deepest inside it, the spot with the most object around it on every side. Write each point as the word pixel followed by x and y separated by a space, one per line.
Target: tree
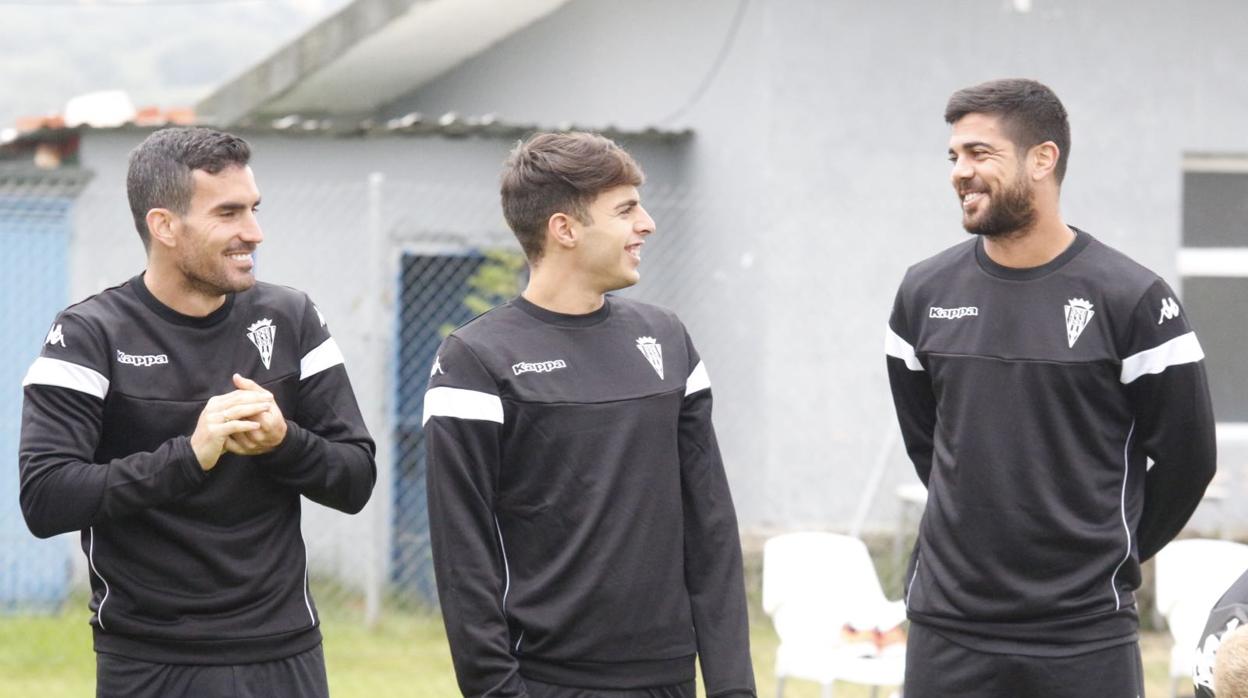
pixel 496 281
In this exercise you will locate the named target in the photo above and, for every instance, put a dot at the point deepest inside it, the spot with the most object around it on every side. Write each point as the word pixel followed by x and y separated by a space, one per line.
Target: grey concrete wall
pixel 819 159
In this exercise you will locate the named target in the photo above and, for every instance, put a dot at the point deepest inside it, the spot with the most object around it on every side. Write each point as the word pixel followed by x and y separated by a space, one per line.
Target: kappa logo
pixel 653 351
pixel 141 359
pixel 538 366
pixel 262 333
pixel 1169 310
pixel 436 369
pixel 55 336
pixel 1079 313
pixel 953 313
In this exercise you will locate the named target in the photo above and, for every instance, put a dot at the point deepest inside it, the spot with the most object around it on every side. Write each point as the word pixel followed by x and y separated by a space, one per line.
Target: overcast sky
pixel 166 53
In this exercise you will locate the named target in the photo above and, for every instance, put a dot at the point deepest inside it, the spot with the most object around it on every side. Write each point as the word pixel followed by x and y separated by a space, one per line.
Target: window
pixel 1213 265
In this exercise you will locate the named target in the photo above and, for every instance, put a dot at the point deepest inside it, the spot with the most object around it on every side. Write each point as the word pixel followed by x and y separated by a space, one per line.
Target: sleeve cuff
pixel 285 451
pixel 187 462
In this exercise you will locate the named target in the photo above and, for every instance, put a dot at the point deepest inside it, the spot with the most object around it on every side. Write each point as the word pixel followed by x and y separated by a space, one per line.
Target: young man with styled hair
pixel 176 420
pixel 1035 372
pixel 584 538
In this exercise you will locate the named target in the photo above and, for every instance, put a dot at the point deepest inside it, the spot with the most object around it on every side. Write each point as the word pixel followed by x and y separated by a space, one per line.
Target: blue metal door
pixel 432 292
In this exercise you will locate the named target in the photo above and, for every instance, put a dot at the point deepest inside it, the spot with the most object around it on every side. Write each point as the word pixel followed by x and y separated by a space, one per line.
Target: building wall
pixel 819 168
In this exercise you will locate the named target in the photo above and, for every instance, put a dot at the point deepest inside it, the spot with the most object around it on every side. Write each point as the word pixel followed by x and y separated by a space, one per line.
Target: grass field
pixel 405 655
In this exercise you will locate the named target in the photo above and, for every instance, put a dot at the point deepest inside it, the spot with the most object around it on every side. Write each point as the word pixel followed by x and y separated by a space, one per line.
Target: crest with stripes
pixel 653 351
pixel 261 334
pixel 1079 313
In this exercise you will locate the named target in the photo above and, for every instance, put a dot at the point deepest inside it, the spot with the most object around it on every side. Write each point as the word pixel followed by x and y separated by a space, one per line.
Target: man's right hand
pixel 224 416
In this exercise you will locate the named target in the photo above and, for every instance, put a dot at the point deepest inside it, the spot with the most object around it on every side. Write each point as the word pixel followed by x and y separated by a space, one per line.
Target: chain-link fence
pixel 395 265
pixel 34 234
pixel 36 576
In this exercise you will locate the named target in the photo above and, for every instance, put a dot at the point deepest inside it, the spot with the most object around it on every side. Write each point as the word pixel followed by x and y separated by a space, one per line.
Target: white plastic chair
pixel 1192 574
pixel 813 585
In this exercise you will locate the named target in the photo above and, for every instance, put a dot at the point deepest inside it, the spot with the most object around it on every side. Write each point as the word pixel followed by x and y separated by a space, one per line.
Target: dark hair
pixel 160 168
pixel 560 173
pixel 1030 113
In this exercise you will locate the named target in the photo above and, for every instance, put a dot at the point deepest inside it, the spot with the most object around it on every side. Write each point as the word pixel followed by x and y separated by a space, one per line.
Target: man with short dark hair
pixel 175 420
pixel 1035 372
pixel 584 538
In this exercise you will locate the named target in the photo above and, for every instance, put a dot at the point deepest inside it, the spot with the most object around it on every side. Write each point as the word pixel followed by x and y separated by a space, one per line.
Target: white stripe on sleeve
pixel 699 379
pixel 63 374
pixel 1184 349
pixel 462 404
pixel 899 348
pixel 325 356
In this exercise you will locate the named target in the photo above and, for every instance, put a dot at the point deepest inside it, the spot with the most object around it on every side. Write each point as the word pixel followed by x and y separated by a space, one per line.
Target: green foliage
pixel 496 281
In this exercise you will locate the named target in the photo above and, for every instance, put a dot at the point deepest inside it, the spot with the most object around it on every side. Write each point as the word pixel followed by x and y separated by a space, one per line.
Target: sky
pixel 166 53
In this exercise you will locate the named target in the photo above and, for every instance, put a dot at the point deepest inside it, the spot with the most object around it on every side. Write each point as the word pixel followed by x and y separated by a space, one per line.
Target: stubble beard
pixel 1009 212
pixel 203 279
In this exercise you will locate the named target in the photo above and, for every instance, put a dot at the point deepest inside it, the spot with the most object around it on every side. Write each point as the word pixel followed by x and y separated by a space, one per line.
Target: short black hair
pixel 1029 111
pixel 160 168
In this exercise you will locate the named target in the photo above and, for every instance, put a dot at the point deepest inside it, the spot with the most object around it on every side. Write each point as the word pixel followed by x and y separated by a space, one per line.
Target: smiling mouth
pixel 971 198
pixel 634 250
pixel 241 258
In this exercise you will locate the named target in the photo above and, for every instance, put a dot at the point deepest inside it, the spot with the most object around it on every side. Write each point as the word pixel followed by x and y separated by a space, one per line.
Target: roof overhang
pixel 366 56
pixel 449 125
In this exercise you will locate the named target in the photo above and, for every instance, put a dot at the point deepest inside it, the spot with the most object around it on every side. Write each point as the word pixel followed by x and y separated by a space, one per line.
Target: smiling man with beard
pixel 1035 371
pixel 176 421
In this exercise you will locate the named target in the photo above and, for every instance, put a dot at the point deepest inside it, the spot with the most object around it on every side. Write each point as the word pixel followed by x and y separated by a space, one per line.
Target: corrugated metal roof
pixel 23 176
pixel 447 125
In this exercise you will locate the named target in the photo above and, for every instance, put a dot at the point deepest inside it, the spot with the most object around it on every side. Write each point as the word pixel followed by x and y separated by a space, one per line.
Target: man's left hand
pixel 272 429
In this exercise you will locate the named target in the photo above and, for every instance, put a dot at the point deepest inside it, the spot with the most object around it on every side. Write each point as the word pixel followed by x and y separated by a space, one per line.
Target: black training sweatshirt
pixel 187 566
pixel 583 532
pixel 1030 401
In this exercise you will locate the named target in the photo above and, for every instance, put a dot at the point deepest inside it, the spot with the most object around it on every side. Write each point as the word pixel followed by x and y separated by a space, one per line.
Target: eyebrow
pixel 971 145
pixel 234 206
pixel 625 204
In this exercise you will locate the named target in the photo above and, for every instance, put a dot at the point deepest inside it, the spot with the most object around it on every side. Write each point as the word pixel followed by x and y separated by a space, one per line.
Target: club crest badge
pixel 261 334
pixel 1079 313
pixel 653 351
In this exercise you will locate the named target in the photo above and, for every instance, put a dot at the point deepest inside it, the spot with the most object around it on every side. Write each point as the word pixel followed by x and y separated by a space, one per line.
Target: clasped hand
pixel 246 421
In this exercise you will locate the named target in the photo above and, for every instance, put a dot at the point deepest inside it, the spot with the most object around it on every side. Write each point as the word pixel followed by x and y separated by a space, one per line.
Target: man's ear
pixel 162 226
pixel 560 231
pixel 1043 160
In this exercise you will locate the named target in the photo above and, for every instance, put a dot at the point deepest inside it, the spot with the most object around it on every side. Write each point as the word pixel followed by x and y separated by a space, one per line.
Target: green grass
pixel 404 655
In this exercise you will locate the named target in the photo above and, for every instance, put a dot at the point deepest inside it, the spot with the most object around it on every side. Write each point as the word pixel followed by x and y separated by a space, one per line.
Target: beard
pixel 214 282
pixel 207 272
pixel 1009 211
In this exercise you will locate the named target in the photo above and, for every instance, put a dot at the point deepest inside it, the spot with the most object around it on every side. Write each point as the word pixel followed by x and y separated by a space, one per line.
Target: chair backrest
pixel 1192 574
pixel 827 570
